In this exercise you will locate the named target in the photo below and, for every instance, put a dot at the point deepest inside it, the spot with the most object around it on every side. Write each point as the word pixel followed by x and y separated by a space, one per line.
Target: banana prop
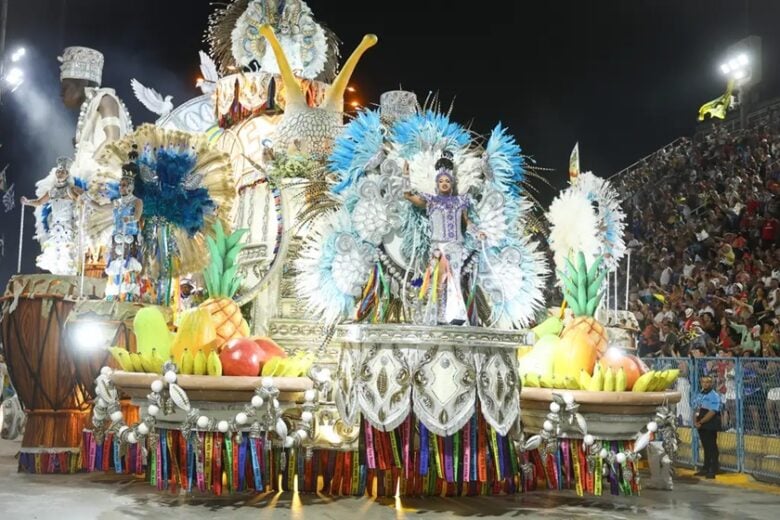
pixel 294 366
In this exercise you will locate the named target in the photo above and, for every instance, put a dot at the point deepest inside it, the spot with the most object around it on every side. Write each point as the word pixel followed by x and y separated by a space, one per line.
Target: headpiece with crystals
pixel 81 63
pixel 444 166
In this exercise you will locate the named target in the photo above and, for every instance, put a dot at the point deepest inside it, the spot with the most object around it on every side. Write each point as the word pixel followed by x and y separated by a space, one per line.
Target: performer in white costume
pixel 57 226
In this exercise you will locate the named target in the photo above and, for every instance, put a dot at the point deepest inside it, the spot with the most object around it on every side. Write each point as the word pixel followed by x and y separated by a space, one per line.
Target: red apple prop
pixel 269 347
pixel 241 357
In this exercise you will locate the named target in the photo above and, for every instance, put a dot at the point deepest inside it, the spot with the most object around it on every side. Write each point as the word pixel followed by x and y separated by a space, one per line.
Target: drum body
pixel 93 325
pixel 35 309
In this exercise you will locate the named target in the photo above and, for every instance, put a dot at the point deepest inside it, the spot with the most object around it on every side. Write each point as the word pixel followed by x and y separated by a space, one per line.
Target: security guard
pixel 707 422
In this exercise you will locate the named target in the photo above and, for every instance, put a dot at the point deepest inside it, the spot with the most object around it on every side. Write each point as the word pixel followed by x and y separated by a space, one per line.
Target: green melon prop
pixel 151 332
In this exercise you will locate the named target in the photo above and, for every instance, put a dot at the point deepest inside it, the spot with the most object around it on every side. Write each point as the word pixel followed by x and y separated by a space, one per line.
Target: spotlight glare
pixel 739 74
pixel 743 59
pixel 89 336
pixel 14 76
pixel 18 54
pixel 724 68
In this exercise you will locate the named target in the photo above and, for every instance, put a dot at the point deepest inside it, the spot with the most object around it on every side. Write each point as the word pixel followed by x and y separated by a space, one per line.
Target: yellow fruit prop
pixel 196 331
pixel 540 360
pixel 187 363
pixel 151 333
pixel 199 365
pixel 222 284
pixel 213 364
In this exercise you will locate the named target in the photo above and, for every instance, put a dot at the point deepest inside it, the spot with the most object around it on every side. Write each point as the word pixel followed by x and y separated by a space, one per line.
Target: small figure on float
pixel 447 213
pixel 57 222
pixel 124 267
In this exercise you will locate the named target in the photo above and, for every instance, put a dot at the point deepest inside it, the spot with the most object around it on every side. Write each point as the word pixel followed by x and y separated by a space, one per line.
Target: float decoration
pixel 235 40
pixel 222 283
pixel 184 184
pixel 368 257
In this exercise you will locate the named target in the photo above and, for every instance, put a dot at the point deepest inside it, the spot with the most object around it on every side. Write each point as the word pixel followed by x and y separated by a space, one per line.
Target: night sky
pixel 622 77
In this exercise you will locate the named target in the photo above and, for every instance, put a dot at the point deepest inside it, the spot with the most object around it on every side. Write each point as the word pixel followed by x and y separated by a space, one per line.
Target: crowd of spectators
pixel 703 223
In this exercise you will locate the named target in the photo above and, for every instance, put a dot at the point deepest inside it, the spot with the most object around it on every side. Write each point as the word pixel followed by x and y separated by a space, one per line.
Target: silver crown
pixel 63 163
pixel 397 104
pixel 81 63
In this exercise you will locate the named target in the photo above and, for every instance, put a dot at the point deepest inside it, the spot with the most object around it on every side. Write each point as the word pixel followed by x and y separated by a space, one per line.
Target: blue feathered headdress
pixel 167 190
pixel 427 131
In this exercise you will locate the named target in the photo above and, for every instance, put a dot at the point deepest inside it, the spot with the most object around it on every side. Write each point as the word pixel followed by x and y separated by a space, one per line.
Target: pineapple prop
pixel 222 284
pixel 584 339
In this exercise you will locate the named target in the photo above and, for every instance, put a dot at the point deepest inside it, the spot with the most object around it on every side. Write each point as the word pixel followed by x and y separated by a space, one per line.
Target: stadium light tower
pixel 742 64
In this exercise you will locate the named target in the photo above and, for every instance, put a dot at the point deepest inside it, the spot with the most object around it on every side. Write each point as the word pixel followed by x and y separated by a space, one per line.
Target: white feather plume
pixel 422 170
pixel 610 219
pixel 152 99
pixel 573 227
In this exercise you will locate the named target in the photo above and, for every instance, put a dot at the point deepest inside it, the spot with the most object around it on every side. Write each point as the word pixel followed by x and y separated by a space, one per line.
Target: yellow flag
pixel 719 106
pixel 574 163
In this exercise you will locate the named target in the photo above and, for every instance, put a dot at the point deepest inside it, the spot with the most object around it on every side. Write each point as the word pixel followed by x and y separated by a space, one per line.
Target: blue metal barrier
pixel 749 388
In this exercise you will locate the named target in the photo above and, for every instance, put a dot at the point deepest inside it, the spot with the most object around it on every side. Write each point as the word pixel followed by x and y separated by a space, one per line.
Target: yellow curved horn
pixel 334 99
pixel 292 89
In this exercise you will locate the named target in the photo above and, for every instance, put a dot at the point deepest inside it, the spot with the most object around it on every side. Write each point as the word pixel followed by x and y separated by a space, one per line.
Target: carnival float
pixel 256 293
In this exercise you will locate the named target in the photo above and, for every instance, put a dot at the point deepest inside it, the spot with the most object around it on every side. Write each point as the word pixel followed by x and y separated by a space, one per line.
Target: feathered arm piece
pixel 502 162
pixel 359 149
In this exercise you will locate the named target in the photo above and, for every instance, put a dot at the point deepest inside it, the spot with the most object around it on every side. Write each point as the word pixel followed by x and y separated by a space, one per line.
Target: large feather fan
pixel 502 162
pixel 610 219
pixel 573 227
pixel 313 49
pixel 513 278
pixel 358 149
pixel 185 184
pixel 332 268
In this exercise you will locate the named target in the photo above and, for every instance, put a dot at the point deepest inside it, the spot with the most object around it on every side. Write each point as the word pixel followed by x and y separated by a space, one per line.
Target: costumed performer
pixel 57 222
pixel 124 267
pixel 447 213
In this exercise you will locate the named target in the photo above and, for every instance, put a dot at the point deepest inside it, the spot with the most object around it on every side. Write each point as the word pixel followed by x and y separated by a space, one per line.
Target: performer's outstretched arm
pixel 36 202
pixel 109 122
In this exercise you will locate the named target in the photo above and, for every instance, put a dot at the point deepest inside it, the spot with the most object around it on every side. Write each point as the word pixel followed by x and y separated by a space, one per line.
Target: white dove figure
pixel 208 69
pixel 152 99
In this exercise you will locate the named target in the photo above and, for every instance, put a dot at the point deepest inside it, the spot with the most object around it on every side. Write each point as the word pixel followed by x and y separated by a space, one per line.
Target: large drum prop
pixel 92 327
pixel 35 308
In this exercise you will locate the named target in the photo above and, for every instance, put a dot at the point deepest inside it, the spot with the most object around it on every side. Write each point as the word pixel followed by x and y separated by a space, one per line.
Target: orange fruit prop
pixel 615 359
pixel 573 353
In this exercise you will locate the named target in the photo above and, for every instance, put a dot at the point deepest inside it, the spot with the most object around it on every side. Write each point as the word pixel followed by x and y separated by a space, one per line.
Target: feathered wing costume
pixel 184 185
pixel 394 243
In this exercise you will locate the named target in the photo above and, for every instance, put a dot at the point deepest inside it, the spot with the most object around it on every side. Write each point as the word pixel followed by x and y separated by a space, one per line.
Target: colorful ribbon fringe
pixel 409 460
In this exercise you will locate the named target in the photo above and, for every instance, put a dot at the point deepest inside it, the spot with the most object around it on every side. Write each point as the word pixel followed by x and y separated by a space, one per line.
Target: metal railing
pixel 749 388
pixel 646 159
